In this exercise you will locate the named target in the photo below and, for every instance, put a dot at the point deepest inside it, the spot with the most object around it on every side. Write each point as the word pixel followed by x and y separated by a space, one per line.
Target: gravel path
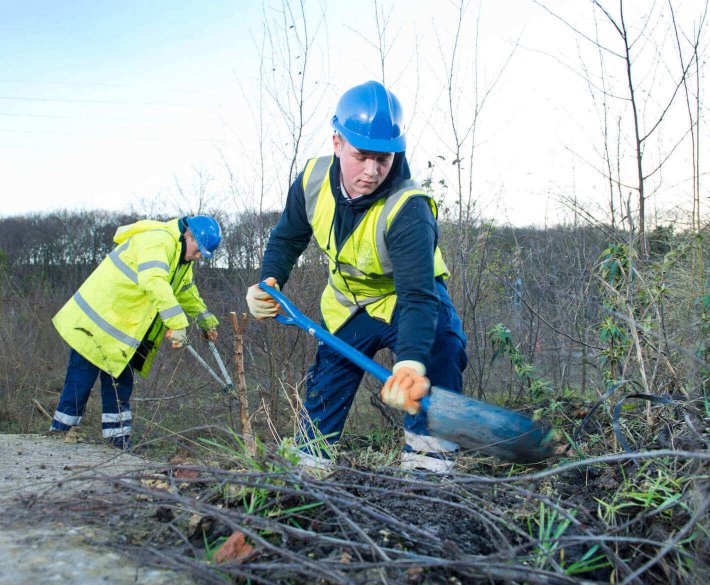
pixel 38 473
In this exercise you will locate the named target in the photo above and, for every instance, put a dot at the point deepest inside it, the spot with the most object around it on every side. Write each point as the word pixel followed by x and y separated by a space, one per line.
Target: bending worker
pixel 116 320
pixel 386 283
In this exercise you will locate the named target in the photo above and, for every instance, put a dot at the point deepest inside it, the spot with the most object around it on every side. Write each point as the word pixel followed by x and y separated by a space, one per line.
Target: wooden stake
pixel 239 326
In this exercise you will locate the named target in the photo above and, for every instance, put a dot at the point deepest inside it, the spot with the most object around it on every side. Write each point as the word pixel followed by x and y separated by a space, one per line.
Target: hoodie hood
pixel 125 232
pixel 176 228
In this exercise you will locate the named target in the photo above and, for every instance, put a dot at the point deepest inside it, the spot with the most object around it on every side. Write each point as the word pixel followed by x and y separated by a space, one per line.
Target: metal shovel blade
pixel 487 428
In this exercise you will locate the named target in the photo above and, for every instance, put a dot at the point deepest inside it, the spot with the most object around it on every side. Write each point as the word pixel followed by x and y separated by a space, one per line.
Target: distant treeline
pixel 64 245
pixel 541 284
pixel 83 238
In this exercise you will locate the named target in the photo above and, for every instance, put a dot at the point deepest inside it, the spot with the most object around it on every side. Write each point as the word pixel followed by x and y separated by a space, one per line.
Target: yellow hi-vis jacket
pixel 360 271
pixel 138 291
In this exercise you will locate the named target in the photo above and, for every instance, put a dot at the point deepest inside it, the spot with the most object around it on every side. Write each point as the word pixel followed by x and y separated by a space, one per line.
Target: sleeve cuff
pixel 418 367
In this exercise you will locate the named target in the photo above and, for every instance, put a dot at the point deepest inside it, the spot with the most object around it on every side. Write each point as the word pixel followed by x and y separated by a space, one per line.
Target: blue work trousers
pixel 115 395
pixel 333 380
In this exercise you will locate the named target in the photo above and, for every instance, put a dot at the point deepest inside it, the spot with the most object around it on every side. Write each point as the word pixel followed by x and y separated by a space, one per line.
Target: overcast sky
pixel 155 105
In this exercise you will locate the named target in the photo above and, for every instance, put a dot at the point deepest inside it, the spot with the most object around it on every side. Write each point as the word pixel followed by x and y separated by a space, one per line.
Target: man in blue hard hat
pixel 116 320
pixel 386 285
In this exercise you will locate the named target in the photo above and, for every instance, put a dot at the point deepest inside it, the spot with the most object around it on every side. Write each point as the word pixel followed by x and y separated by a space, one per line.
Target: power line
pixel 84 118
pixel 108 102
pixel 114 137
pixel 64 83
pixel 20 115
pixel 45 132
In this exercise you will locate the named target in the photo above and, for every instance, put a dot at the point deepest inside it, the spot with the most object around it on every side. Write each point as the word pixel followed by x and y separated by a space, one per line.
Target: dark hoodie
pixel 411 241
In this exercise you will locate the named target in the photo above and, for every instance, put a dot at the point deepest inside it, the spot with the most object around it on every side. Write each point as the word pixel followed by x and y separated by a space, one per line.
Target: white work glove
pixel 261 304
pixel 178 337
pixel 406 386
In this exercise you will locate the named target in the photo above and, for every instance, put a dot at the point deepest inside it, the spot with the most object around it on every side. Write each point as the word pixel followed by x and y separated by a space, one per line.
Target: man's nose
pixel 371 167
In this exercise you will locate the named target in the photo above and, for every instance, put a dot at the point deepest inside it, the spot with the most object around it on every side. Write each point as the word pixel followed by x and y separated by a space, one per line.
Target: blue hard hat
pixel 207 233
pixel 369 117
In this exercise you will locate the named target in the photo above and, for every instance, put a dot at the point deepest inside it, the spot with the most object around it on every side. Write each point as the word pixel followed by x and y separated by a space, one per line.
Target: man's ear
pixel 337 143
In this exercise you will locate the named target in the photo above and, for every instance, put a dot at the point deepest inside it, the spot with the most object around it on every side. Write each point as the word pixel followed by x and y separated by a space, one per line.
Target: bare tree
pixel 636 41
pixel 692 104
pixel 287 114
pixel 383 42
pixel 294 90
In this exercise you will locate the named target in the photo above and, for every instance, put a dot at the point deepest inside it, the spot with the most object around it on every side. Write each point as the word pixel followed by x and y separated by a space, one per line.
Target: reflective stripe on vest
pixel 390 203
pixel 313 179
pixel 104 325
pixel 368 287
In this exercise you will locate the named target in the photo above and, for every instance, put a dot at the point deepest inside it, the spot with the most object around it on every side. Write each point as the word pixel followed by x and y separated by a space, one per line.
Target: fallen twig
pixel 41 409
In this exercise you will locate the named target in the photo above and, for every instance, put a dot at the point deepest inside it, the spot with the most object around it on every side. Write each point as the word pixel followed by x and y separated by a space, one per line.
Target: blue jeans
pixel 333 380
pixel 115 396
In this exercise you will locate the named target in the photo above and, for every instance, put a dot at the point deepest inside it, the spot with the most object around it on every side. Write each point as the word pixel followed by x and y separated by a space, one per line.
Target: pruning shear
pixel 226 384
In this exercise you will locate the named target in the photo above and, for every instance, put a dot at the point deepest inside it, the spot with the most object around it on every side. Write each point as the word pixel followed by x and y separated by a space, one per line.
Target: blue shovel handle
pixel 294 317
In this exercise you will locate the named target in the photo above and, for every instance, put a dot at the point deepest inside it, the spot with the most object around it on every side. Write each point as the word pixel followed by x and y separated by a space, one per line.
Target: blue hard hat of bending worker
pixel 369 117
pixel 206 232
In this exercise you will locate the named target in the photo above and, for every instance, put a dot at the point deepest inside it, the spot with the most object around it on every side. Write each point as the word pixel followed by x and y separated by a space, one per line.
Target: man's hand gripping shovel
pixel 226 384
pixel 474 424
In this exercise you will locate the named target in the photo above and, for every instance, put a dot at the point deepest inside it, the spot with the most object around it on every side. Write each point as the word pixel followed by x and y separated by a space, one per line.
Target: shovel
pixel 490 429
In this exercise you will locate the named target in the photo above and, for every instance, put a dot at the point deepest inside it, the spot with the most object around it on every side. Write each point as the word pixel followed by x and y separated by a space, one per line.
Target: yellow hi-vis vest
pixel 360 272
pixel 137 291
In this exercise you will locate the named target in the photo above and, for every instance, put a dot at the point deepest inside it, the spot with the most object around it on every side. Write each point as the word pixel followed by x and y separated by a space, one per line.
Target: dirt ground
pixel 84 513
pixel 64 518
pixel 58 512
